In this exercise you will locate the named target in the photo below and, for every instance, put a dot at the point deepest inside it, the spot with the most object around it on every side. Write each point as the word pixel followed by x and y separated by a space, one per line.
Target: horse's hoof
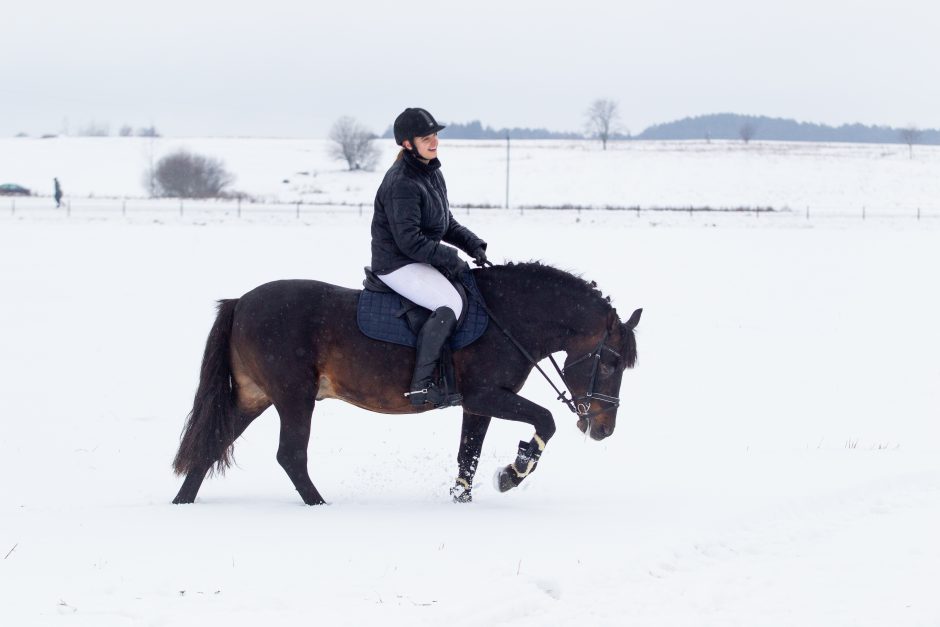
pixel 312 499
pixel 506 479
pixel 461 494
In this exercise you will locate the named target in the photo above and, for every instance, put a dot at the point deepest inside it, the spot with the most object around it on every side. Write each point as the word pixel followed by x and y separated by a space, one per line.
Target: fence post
pixel 863 212
pixel 918 213
pixel 298 209
pixel 239 207
pixel 807 212
pixel 360 210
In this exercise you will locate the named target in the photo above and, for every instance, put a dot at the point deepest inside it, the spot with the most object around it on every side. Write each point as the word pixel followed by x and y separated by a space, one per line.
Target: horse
pixel 291 343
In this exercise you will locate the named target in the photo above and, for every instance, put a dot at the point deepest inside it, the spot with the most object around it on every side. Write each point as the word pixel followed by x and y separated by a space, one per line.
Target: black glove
pixel 458 268
pixel 479 257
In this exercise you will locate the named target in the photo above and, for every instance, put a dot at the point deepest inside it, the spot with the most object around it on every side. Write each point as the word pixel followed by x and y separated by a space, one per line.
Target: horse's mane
pixel 573 283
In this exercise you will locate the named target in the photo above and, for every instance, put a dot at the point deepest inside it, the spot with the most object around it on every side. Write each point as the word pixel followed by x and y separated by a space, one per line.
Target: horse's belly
pixel 383 401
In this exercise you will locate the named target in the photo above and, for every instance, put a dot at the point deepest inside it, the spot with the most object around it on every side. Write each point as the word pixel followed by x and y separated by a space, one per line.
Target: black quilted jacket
pixel 412 218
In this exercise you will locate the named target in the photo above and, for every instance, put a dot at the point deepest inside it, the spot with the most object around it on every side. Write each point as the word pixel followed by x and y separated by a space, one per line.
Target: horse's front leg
pixel 510 406
pixel 468 456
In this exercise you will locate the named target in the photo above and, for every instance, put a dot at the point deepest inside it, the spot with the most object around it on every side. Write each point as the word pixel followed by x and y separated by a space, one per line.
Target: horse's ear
pixel 634 319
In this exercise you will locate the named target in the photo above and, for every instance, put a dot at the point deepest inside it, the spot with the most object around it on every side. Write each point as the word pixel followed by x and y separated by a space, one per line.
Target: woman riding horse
pixel 410 226
pixel 294 343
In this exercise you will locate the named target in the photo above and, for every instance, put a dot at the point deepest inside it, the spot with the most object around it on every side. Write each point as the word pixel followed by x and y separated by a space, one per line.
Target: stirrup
pixel 432 395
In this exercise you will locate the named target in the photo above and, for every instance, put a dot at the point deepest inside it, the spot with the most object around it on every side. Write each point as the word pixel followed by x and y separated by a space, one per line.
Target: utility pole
pixel 507 169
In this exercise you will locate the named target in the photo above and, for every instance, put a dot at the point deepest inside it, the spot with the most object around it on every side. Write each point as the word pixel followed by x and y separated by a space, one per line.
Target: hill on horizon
pixel 729 125
pixel 713 126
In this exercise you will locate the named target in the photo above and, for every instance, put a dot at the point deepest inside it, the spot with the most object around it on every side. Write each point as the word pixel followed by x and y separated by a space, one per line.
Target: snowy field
pixel 825 179
pixel 776 459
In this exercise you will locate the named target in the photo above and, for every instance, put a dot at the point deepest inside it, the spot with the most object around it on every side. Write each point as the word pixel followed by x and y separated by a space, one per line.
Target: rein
pixel 575 404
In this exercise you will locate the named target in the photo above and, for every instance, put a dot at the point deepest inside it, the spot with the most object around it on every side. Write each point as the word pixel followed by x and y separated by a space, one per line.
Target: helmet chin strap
pixel 414 150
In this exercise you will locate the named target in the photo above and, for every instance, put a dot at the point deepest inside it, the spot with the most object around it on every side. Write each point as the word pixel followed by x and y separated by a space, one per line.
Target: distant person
pixel 58 193
pixel 412 220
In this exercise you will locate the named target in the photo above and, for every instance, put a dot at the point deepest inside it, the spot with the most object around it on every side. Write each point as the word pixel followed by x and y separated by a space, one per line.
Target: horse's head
pixel 594 369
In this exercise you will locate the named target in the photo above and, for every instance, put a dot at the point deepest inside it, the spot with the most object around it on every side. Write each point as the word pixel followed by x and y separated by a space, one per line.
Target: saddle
pixel 383 314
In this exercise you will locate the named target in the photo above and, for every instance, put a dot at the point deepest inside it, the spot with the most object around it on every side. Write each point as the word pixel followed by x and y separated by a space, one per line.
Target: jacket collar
pixel 416 164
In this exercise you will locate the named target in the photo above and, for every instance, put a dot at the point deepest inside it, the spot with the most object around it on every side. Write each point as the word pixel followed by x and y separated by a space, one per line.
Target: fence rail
pixel 42 207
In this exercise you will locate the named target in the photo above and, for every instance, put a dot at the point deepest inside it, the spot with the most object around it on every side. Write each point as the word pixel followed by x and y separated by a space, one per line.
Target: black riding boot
pixel 431 339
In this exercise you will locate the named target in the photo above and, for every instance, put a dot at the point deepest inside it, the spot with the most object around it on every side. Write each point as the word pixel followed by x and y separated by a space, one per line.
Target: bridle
pixel 580 407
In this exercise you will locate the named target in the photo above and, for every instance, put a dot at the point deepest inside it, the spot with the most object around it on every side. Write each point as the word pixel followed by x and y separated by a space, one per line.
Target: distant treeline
pixel 476 130
pixel 729 125
pixel 714 126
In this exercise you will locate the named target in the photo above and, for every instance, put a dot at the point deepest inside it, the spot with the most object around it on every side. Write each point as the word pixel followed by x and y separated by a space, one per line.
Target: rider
pixel 411 223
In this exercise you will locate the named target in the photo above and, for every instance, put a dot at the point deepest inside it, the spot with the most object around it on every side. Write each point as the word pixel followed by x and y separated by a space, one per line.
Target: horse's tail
pixel 209 432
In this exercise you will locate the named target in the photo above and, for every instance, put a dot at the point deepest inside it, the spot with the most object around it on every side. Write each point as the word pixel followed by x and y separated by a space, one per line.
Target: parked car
pixel 11 189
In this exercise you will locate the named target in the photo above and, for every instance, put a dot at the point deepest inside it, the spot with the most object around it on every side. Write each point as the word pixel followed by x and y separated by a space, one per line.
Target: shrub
pixel 184 174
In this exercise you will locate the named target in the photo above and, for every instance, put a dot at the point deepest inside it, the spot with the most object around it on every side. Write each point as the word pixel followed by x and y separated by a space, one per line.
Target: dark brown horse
pixel 292 343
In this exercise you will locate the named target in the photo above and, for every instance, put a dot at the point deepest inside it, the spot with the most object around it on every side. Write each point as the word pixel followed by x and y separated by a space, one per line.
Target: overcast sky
pixel 279 68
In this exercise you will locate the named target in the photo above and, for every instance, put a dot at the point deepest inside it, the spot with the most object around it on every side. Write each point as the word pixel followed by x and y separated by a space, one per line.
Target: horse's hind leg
pixel 296 415
pixel 468 456
pixel 195 477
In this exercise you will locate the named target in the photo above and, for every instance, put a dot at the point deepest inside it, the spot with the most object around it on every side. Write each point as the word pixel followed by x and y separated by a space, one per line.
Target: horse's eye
pixel 606 370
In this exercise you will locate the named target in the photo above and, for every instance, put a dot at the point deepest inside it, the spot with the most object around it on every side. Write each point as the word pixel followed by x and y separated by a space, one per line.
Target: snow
pixel 775 460
pixel 796 176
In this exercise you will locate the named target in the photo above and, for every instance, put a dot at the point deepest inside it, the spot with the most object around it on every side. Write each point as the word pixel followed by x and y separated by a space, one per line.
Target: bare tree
pixel 126 131
pixel 353 143
pixel 183 174
pixel 94 129
pixel 910 135
pixel 602 118
pixel 747 132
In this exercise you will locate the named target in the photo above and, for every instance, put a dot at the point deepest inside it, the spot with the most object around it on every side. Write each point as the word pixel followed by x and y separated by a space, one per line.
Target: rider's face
pixel 426 146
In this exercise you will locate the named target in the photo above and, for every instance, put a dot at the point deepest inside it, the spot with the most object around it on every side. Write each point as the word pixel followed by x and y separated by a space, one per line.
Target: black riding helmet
pixel 415 122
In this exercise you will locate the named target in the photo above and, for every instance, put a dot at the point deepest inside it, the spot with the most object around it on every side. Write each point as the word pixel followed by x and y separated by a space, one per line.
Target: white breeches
pixel 423 285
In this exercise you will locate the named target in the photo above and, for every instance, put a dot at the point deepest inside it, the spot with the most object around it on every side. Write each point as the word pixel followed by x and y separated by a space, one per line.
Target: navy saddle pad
pixel 380 315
